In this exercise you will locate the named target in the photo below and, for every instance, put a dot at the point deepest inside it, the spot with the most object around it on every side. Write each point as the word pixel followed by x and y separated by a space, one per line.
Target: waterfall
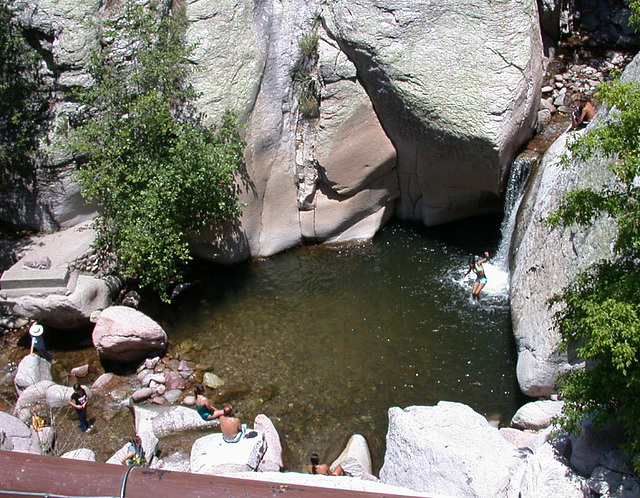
pixel 518 176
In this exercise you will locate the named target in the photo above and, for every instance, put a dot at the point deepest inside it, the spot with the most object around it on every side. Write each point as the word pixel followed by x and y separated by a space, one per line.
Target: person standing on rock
pixel 79 400
pixel 37 341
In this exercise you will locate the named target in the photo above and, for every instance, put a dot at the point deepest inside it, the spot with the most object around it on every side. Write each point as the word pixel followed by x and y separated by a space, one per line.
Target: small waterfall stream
pixel 497 268
pixel 518 176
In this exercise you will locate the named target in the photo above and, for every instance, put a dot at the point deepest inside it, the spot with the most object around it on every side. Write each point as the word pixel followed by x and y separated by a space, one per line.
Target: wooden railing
pixel 24 474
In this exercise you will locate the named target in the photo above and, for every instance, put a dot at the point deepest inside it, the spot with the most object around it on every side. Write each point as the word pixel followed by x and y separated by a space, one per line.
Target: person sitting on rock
pixel 322 468
pixel 204 408
pixel 135 453
pixel 232 428
pixel 583 114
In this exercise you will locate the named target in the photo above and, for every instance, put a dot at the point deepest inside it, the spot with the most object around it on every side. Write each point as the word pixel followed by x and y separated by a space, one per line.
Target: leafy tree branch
pixel 599 312
pixel 157 172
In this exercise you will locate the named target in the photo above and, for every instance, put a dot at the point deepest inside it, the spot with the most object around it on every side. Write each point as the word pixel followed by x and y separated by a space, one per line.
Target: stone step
pixel 11 294
pixel 19 277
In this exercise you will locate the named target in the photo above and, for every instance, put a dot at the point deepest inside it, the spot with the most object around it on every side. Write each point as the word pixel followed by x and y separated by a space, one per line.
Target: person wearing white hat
pixel 37 341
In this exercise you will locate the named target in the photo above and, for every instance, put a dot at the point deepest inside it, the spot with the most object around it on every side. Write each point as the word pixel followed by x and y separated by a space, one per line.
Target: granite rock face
pixel 456 90
pixel 544 260
pixel 420 108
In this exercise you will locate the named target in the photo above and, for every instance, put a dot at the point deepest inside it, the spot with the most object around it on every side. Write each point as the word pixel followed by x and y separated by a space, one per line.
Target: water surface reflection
pixel 327 339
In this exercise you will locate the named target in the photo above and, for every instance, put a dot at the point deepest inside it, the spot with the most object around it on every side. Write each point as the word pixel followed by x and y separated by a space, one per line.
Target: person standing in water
pixel 475 265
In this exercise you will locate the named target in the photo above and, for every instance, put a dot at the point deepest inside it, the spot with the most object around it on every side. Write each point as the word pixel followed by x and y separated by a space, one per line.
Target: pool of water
pixel 325 340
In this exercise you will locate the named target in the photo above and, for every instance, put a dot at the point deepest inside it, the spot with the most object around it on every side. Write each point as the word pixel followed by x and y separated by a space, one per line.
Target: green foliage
pixel 307 86
pixel 307 95
pixel 158 174
pixel 619 141
pixel 634 19
pixel 22 103
pixel 309 44
pixel 599 313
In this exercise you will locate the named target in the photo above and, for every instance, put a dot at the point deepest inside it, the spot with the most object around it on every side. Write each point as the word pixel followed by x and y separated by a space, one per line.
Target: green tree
pixel 22 100
pixel 599 313
pixel 157 172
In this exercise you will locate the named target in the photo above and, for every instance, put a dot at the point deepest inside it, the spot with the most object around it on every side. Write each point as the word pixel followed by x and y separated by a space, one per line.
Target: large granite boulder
pixel 548 474
pixel 126 335
pixel 46 393
pixel 30 397
pixel 451 450
pixel 355 459
pixel 456 89
pixel 15 435
pixel 31 370
pixel 211 455
pixel 272 459
pixel 537 415
pixel 166 420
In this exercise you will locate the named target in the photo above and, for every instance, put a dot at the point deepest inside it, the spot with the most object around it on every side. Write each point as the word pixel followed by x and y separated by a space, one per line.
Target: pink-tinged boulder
pixel 272 460
pixel 175 381
pixel 81 371
pixel 126 335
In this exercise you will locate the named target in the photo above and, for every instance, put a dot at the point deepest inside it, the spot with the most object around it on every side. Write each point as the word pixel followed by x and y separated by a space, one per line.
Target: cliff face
pixel 422 107
pixel 545 260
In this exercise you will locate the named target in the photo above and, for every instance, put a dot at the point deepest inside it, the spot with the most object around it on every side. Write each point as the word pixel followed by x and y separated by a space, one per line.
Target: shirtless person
pixel 322 468
pixel 230 425
pixel 583 115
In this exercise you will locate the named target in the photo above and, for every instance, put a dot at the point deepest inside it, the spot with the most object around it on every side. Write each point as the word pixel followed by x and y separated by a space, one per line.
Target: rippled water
pixel 324 340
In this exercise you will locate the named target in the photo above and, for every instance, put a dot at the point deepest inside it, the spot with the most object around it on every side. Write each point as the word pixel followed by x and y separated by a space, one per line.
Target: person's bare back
pixel 230 426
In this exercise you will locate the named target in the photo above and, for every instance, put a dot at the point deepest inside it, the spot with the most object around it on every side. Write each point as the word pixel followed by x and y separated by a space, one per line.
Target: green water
pixel 324 340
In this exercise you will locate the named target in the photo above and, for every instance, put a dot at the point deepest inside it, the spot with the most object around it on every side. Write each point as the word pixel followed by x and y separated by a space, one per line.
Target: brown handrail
pixel 28 473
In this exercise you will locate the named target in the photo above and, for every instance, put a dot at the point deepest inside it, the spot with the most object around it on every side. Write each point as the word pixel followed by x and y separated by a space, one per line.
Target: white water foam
pixel 497 281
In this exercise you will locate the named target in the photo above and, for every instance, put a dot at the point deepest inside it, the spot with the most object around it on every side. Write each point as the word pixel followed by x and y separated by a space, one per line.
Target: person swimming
pixel 475 265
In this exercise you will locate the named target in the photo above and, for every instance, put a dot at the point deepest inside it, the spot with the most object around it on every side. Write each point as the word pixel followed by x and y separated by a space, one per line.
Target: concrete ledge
pixel 18 277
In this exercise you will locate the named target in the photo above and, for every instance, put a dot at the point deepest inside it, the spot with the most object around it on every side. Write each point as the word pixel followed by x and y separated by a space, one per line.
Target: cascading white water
pixel 497 269
pixel 518 176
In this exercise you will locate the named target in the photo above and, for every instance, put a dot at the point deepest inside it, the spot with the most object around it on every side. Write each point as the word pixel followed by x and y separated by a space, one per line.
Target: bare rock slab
pixel 450 450
pixel 211 455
